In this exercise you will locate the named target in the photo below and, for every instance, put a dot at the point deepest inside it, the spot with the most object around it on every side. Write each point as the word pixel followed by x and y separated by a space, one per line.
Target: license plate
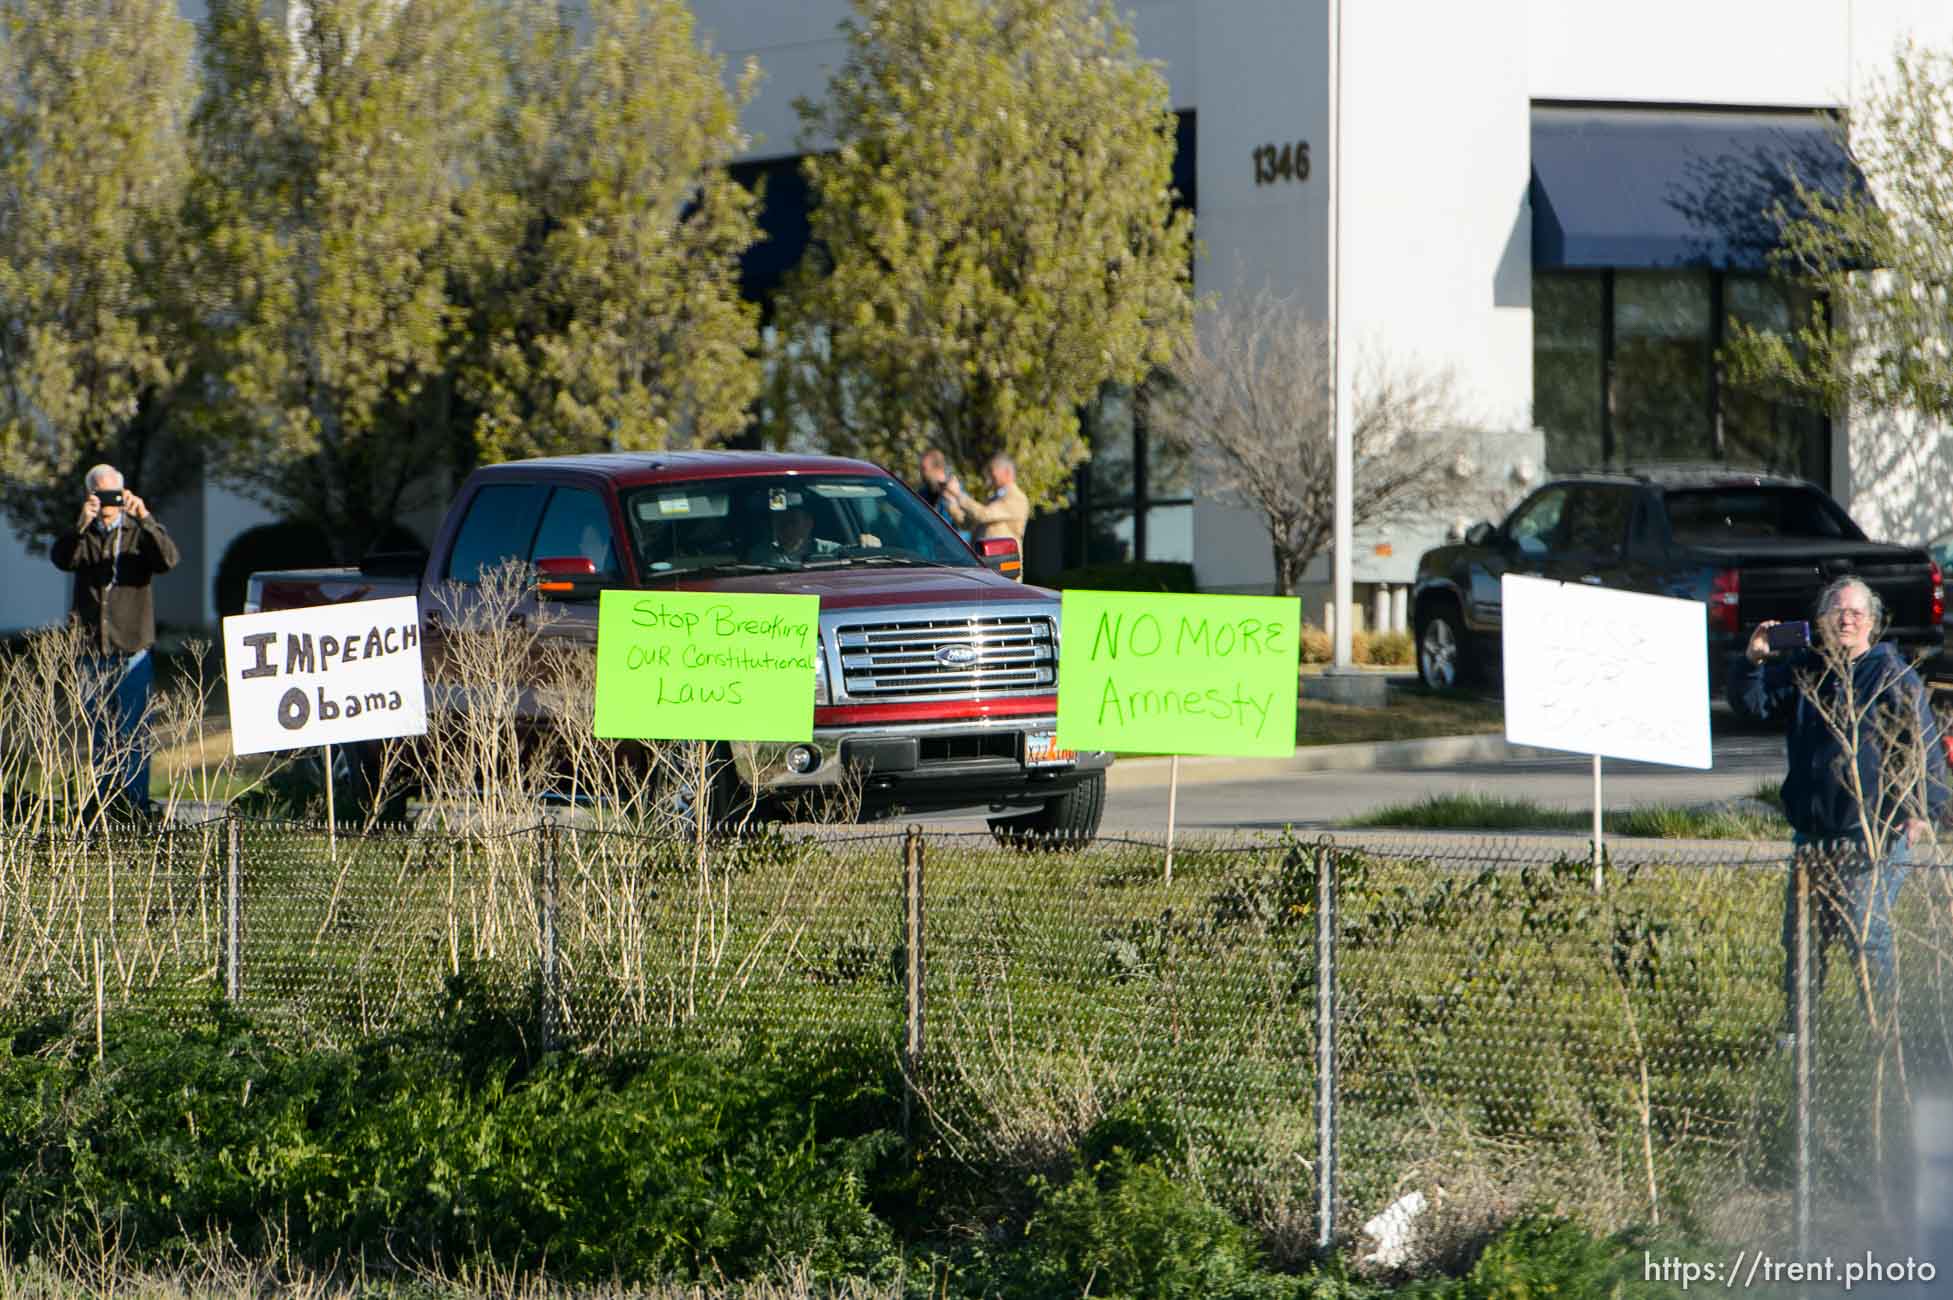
pixel 1041 750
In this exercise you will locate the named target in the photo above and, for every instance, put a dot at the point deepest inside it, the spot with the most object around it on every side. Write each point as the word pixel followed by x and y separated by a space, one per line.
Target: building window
pixel 1625 373
pixel 1133 500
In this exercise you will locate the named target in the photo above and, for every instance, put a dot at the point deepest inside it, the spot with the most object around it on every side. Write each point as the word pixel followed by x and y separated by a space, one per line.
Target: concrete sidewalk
pixel 1394 755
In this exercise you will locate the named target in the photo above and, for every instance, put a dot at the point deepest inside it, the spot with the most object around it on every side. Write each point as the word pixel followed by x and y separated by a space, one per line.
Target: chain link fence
pixel 1351 1022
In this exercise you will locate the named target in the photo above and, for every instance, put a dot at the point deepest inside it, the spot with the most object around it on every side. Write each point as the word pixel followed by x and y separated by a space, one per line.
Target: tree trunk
pixel 1288 570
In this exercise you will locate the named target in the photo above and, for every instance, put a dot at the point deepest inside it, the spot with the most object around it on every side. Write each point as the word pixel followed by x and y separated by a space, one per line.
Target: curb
pixel 1437 751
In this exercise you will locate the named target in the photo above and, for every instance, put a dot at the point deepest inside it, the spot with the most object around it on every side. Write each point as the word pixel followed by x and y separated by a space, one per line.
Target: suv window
pixel 1597 519
pixel 576 523
pixel 1718 516
pixel 1535 527
pixel 500 524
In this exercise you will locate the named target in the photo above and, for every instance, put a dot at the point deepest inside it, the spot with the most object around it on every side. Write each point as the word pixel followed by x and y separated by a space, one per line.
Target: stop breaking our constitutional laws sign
pixel 324 675
pixel 692 665
pixel 1174 674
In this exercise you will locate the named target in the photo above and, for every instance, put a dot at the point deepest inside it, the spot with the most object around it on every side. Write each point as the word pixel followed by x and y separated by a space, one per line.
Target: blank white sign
pixel 324 675
pixel 1615 673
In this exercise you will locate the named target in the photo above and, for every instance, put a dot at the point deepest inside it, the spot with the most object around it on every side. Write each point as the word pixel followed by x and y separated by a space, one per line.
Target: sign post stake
pixel 1172 798
pixel 332 822
pixel 1597 867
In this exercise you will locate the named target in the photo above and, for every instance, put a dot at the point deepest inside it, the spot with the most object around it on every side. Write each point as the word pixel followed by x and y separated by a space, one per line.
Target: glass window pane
pixel 1109 536
pixel 1757 429
pixel 1109 428
pixel 1567 368
pixel 1169 534
pixel 500 522
pixel 576 523
pixel 1535 526
pixel 1597 520
pixel 1662 366
pixel 1169 469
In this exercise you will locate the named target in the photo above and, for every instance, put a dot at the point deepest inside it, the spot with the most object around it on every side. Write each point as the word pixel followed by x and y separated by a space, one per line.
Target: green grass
pixel 1412 714
pixel 1481 812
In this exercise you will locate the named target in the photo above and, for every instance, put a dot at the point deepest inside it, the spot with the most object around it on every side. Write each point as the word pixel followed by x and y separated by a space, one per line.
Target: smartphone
pixel 110 496
pixel 1788 636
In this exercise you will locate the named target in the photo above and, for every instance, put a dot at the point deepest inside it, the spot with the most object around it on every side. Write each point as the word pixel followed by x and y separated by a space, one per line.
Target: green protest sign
pixel 1166 674
pixel 688 665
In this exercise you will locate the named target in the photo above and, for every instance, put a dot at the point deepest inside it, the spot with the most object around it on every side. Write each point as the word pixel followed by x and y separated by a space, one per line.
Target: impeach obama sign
pixel 1165 674
pixel 324 675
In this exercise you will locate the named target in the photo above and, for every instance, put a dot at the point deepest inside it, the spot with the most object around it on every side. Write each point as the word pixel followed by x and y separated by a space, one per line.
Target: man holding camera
pixel 116 551
pixel 1867 774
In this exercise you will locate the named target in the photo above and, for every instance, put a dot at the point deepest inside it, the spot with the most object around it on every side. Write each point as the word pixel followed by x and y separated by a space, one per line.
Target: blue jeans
pixel 118 697
pixel 1851 898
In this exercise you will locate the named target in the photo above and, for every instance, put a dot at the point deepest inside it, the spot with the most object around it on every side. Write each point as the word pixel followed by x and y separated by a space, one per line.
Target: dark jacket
pixel 114 570
pixel 1888 697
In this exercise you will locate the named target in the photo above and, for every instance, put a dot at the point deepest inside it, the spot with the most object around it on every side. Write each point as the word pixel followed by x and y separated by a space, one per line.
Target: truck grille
pixel 1009 655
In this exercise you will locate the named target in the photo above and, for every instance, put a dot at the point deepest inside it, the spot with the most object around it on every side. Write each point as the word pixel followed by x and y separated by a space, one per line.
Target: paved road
pixel 1217 794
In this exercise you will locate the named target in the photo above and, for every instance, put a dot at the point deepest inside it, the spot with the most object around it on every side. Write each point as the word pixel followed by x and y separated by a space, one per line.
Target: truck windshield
pixel 1722 515
pixel 787 521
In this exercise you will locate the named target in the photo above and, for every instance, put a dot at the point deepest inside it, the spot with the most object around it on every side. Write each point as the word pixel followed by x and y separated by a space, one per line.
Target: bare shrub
pixel 1252 400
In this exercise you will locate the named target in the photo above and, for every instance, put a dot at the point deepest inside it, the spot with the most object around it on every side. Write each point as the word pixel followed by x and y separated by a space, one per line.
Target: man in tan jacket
pixel 1006 514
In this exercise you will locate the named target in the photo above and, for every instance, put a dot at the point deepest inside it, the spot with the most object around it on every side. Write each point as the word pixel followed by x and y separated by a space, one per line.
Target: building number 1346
pixel 1288 162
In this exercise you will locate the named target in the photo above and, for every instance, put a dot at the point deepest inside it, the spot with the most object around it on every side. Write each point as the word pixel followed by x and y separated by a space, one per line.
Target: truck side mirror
pixel 1480 533
pixel 1001 554
pixel 567 577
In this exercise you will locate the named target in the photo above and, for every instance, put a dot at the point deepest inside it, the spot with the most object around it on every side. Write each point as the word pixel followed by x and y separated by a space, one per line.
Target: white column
pixel 1400 609
pixel 1380 608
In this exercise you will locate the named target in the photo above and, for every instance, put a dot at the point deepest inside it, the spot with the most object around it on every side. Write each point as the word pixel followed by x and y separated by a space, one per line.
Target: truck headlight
pixel 821 694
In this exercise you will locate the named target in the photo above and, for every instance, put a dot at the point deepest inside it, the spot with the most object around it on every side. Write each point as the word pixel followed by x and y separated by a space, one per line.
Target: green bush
pixel 673 1165
pixel 1144 575
pixel 1128 1227
pixel 1542 1255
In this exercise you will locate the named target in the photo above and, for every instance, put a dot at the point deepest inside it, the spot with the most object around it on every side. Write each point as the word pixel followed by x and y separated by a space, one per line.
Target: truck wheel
pixel 1445 659
pixel 1066 823
pixel 681 799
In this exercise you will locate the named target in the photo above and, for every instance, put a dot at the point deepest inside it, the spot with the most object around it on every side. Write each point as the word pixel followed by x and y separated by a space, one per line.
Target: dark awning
pixel 1633 187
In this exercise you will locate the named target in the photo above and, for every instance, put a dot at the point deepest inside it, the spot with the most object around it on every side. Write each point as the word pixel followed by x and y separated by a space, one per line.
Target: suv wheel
pixel 1066 823
pixel 1444 656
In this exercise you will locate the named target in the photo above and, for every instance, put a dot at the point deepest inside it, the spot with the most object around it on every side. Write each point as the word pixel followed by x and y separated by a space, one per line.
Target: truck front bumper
pixel 1007 762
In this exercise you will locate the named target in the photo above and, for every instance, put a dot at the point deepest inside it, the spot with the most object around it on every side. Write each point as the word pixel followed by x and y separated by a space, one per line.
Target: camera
pixel 109 496
pixel 1788 636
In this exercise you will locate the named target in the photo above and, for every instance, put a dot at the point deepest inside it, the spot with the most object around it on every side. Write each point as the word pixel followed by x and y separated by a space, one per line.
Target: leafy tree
pixel 1877 260
pixel 336 204
pixel 94 96
pixel 994 235
pixel 1251 401
pixel 614 321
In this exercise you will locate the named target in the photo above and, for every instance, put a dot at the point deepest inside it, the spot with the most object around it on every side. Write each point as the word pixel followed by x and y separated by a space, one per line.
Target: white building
pixel 1511 172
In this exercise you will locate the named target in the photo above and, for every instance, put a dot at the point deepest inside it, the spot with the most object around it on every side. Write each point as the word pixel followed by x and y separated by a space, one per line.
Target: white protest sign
pixel 324 675
pixel 1612 673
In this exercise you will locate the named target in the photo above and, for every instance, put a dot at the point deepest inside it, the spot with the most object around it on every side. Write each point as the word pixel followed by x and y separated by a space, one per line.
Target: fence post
pixel 233 909
pixel 912 996
pixel 550 978
pixel 1801 1034
pixel 1328 891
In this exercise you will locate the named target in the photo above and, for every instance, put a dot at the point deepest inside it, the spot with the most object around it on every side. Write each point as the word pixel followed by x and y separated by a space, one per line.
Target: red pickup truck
pixel 936 682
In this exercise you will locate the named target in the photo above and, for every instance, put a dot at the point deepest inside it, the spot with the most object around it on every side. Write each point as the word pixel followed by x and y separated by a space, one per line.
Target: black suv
pixel 1752 546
